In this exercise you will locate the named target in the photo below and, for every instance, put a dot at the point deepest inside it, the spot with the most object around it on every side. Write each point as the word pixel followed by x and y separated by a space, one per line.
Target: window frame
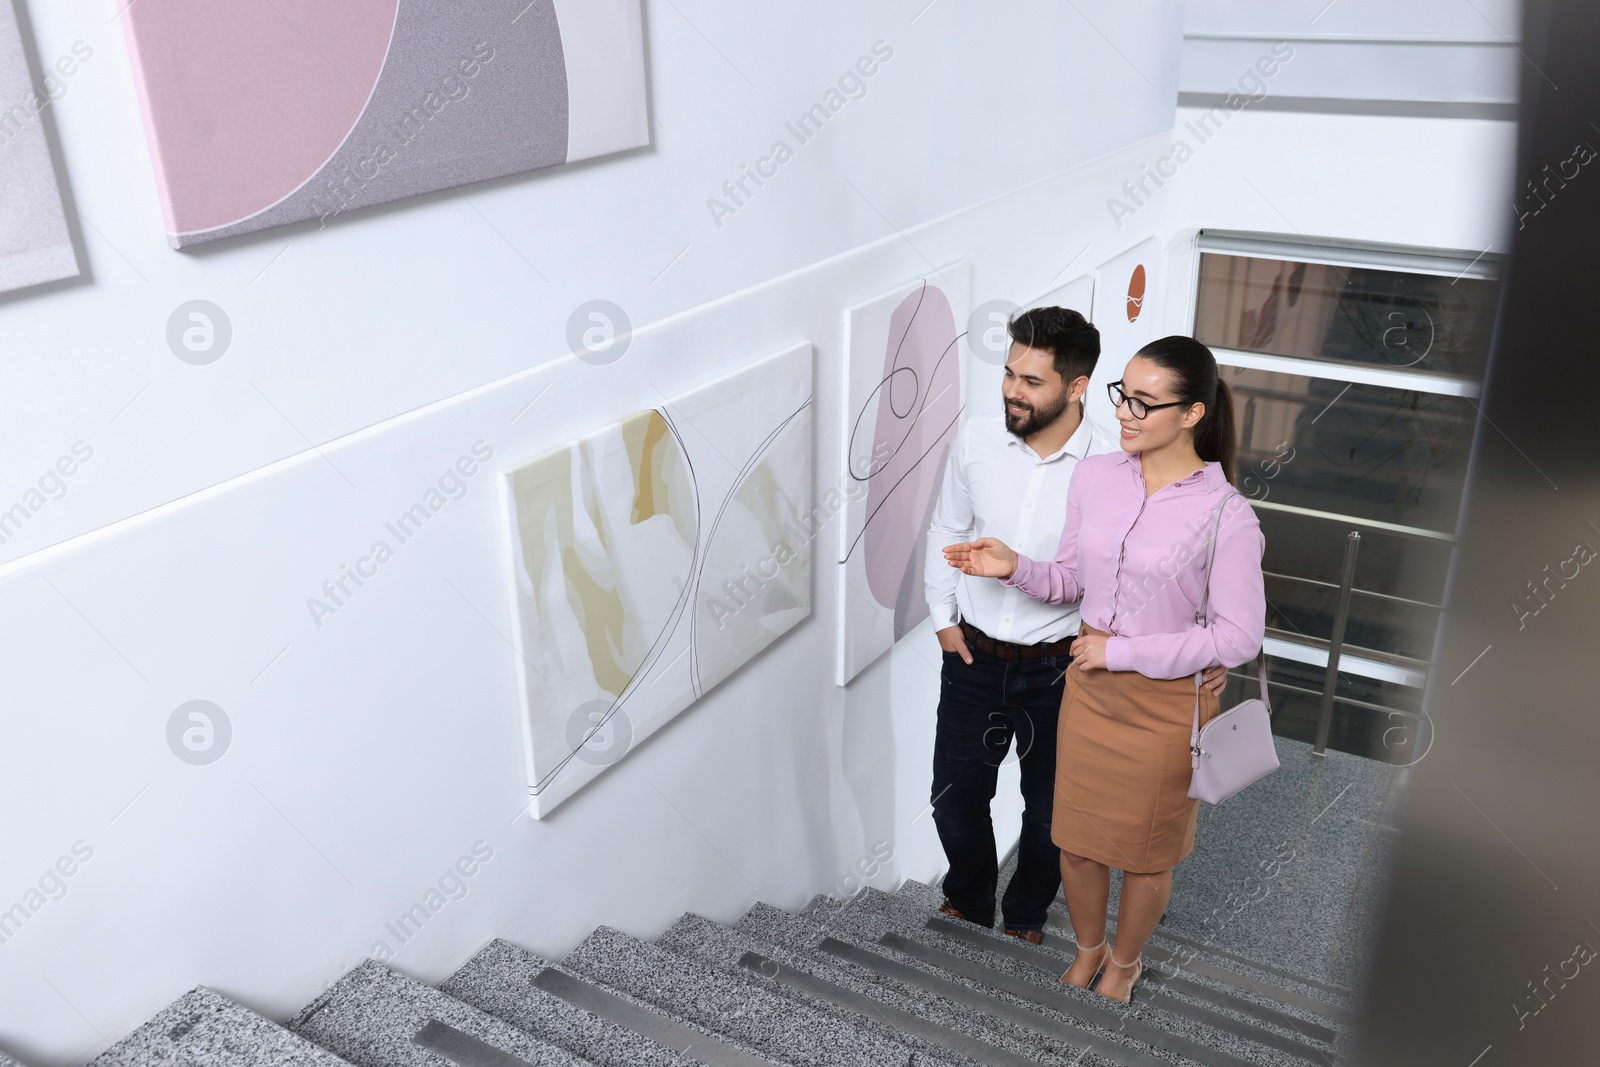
pixel 1345 253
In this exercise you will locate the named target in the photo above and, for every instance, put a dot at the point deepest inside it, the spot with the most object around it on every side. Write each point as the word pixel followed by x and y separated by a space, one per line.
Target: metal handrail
pixel 1414 532
pixel 1337 699
pixel 1377 655
pixel 1363 592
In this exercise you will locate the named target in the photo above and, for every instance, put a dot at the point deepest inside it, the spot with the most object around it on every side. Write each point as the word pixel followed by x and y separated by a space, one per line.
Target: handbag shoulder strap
pixel 1201 620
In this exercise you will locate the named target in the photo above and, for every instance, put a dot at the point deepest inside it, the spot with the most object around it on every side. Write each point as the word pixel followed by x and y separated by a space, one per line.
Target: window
pixel 1355 372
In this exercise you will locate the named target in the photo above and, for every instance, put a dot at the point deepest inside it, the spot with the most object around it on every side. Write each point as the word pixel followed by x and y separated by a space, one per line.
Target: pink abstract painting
pixel 268 112
pixel 35 245
pixel 902 405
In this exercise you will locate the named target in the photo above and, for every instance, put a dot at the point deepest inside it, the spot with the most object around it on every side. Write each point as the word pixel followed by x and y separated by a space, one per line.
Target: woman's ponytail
pixel 1214 436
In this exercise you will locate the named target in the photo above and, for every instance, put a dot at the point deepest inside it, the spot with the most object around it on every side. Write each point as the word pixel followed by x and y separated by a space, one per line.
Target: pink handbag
pixel 1235 748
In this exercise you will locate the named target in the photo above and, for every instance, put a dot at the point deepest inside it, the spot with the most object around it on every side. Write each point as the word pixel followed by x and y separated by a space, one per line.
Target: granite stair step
pixel 1231 970
pixel 1305 997
pixel 896 925
pixel 821 982
pixel 605 1028
pixel 771 1025
pixel 1219 965
pixel 1244 1016
pixel 1327 1000
pixel 1019 1027
pixel 1097 1029
pixel 205 1029
pixel 1016 1026
pixel 377 1017
pixel 1261 1022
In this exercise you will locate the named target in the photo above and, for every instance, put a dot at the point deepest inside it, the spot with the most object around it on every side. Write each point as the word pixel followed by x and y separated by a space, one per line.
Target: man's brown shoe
pixel 1032 937
pixel 951 910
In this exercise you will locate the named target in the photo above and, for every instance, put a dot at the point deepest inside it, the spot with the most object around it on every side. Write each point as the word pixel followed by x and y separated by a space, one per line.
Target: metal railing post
pixel 1341 616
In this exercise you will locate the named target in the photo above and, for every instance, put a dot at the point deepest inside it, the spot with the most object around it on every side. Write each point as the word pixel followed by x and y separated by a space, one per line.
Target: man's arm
pixel 952 522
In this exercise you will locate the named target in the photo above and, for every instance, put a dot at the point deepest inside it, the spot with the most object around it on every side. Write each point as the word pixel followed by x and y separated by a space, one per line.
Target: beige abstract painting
pixel 653 558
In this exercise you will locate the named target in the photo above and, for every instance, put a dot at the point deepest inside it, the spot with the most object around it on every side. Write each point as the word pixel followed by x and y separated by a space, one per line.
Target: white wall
pixel 1458 51
pixel 371 753
pixel 1432 183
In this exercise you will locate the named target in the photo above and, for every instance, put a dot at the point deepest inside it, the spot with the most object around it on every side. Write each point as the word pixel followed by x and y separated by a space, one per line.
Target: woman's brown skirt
pixel 1122 768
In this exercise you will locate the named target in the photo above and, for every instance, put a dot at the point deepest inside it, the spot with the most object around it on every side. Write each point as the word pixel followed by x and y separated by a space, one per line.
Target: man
pixel 1005 654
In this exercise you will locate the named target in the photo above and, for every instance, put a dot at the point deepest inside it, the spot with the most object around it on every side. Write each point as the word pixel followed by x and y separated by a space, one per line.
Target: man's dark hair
pixel 1064 333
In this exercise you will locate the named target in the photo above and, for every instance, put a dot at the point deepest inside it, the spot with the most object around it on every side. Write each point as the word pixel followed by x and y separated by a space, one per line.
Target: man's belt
pixel 1006 650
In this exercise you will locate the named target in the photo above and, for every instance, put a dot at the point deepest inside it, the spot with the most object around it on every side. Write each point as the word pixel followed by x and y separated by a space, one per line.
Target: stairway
pixel 879 979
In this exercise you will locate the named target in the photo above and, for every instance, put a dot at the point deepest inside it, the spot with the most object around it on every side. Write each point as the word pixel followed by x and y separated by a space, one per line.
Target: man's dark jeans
pixel 982 708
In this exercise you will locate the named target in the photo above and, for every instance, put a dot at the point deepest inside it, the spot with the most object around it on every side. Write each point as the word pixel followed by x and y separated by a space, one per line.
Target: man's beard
pixel 1036 419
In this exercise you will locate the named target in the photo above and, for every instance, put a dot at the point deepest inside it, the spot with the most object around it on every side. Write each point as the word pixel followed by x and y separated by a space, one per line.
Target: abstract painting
pixel 263 114
pixel 1127 295
pixel 652 558
pixel 902 403
pixel 35 246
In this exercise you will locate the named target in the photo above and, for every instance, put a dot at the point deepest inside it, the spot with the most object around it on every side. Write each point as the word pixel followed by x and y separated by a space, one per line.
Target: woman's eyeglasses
pixel 1136 407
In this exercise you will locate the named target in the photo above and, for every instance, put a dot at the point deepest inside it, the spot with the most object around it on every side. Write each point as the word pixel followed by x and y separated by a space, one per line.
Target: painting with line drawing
pixel 903 399
pixel 651 559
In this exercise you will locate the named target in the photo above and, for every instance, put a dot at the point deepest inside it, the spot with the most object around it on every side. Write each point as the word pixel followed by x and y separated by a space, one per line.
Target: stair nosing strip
pixel 1248 962
pixel 1198 1013
pixel 646 1022
pixel 1335 1012
pixel 981 1001
pixel 1223 999
pixel 461 1048
pixel 1134 1027
pixel 945 1037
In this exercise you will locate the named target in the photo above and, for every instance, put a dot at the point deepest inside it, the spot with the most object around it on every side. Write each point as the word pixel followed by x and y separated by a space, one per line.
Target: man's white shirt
pixel 996 486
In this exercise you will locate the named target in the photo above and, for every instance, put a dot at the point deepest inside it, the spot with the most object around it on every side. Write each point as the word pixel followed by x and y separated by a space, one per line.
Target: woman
pixel 1134 548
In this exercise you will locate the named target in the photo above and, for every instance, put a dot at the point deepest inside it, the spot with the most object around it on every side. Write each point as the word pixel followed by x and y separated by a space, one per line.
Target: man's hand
pixel 951 639
pixel 1215 678
pixel 984 558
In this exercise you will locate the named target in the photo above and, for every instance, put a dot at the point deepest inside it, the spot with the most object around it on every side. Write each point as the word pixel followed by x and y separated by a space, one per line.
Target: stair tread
pixel 1229 1009
pixel 499 979
pixel 1225 969
pixel 964 1006
pixel 1327 1000
pixel 202 1028
pixel 1096 1027
pixel 1189 1034
pixel 712 1050
pixel 940 1027
pixel 373 1014
pixel 771 1025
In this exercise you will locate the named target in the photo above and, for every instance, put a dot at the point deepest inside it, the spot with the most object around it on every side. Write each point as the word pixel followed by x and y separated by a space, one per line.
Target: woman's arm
pixel 1056 582
pixel 1238 623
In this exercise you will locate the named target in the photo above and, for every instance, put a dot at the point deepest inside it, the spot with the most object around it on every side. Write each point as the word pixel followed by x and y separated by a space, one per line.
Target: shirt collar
pixel 1076 446
pixel 1210 475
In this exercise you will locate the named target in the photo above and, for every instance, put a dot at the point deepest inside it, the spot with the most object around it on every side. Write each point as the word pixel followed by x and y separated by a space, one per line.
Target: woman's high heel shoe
pixel 1138 972
pixel 1093 977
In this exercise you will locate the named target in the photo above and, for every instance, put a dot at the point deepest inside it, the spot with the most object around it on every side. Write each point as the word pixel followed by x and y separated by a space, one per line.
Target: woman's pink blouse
pixel 1138 564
